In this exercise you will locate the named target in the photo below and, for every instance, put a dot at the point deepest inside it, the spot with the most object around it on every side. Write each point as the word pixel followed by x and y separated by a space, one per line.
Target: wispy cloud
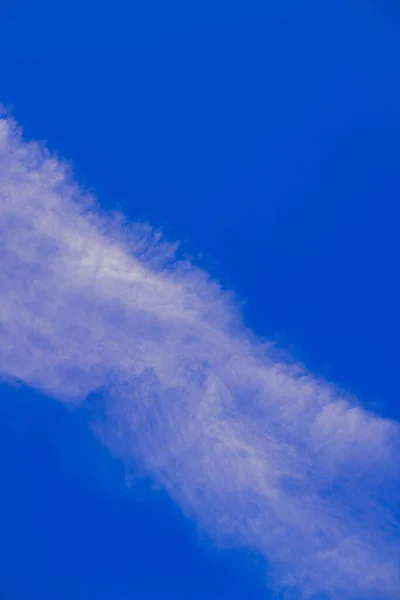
pixel 258 451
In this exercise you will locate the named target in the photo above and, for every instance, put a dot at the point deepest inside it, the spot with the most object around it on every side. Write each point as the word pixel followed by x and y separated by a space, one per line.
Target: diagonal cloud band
pixel 258 451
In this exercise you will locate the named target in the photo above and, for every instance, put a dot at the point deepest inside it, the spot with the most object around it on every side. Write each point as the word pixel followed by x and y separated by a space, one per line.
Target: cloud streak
pixel 255 449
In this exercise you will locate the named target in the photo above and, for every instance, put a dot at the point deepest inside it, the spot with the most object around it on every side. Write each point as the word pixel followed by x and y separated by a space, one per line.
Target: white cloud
pixel 258 451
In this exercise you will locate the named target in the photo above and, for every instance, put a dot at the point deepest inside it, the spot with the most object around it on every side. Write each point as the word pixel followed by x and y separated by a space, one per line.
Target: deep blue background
pixel 265 136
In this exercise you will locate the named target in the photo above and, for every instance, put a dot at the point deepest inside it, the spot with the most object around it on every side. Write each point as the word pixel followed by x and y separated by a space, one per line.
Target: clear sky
pixel 264 137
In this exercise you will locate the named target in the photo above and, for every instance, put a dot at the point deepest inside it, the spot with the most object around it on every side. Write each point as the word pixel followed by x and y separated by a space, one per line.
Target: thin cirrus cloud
pixel 255 449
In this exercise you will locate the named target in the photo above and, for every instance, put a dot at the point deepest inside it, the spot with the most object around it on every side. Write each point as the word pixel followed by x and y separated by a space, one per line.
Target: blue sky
pixel 262 136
